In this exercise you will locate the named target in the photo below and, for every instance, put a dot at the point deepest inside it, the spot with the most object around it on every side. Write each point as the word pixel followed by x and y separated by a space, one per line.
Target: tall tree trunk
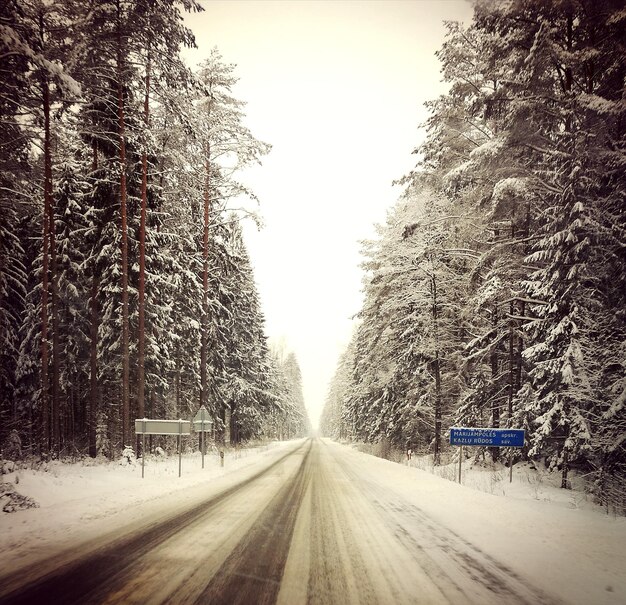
pixel 141 347
pixel 93 345
pixel 126 437
pixel 47 211
pixel 495 406
pixel 46 222
pixel 520 339
pixel 227 426
pixel 565 470
pixel 50 263
pixel 56 353
pixel 437 372
pixel 93 364
pixel 205 281
pixel 512 365
pixel 493 362
pixel 142 250
pixel 512 356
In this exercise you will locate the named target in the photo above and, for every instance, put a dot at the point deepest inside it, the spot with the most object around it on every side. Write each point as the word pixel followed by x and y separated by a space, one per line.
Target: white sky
pixel 338 88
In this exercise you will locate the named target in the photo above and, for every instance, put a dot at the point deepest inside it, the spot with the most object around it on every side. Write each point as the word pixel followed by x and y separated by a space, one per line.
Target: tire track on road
pixel 254 570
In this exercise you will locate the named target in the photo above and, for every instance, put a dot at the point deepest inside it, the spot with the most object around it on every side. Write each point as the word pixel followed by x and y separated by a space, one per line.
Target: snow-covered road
pixel 319 523
pixel 358 541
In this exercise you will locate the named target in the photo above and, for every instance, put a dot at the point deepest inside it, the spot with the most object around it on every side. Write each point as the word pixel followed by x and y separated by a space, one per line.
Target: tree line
pixel 495 293
pixel 126 290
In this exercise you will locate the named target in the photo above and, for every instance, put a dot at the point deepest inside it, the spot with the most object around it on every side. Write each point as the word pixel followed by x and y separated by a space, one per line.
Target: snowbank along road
pixel 309 528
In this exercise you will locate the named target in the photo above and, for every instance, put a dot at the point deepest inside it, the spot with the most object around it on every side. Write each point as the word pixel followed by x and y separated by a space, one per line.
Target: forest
pixel 495 293
pixel 126 290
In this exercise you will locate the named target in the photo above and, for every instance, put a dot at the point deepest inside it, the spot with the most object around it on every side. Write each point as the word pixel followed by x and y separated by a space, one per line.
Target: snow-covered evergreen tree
pixel 523 152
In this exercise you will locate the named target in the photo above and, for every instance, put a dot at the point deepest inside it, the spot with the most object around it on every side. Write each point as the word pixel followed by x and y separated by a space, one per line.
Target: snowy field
pixel 533 532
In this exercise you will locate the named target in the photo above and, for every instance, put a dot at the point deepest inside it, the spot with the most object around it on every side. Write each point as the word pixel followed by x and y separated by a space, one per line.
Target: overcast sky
pixel 338 89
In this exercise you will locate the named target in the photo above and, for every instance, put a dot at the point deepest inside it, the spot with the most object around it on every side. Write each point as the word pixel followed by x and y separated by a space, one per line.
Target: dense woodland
pixel 495 294
pixel 125 287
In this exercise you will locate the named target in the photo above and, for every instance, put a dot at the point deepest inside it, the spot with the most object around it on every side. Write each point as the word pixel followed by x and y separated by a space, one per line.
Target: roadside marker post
pixel 487 437
pixel 146 426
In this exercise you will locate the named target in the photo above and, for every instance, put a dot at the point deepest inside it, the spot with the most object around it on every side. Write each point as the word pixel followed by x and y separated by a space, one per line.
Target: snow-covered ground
pixel 84 500
pixel 558 539
pixel 528 535
pixel 530 482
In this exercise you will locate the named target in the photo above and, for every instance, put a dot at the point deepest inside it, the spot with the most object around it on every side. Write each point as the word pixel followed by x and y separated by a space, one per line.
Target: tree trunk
pixel 495 407
pixel 227 426
pixel 438 411
pixel 50 263
pixel 126 437
pixel 512 355
pixel 205 281
pixel 565 470
pixel 56 353
pixel 47 211
pixel 93 365
pixel 520 340
pixel 142 253
pixel 437 372
pixel 512 365
pixel 141 345
pixel 93 345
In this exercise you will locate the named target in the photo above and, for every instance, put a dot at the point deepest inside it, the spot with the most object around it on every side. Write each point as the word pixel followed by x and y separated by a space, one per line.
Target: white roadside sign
pixel 147 426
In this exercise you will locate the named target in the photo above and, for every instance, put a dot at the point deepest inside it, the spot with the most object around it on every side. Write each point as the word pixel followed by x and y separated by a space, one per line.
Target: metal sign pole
pixel 510 465
pixel 180 447
pixel 143 447
pixel 460 461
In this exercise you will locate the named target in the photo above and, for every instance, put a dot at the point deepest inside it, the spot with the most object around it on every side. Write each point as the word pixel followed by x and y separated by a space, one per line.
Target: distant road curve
pixel 308 529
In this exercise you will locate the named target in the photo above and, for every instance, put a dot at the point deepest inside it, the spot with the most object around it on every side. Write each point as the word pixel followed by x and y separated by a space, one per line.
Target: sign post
pixel 145 426
pixel 203 422
pixel 486 437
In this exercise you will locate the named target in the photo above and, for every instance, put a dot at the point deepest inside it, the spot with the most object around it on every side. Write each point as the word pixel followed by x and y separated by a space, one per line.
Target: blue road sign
pixel 487 437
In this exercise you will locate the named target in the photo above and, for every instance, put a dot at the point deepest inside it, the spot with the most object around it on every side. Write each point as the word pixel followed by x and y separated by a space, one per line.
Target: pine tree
pixel 13 282
pixel 162 36
pixel 219 133
pixel 70 226
pixel 14 164
pixel 33 33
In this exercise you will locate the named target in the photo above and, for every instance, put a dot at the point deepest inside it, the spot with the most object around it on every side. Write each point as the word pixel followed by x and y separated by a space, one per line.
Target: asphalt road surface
pixel 309 529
